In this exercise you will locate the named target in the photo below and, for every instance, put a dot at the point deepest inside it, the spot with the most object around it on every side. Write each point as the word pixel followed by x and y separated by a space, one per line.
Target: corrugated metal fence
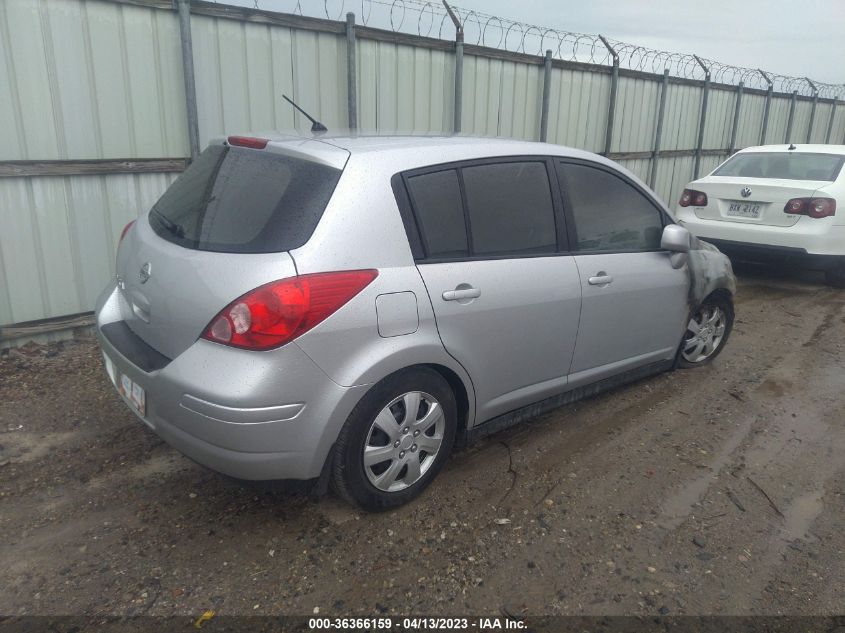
pixel 93 101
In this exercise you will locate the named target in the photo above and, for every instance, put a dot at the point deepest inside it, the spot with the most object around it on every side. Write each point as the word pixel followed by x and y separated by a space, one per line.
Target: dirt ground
pixel 713 491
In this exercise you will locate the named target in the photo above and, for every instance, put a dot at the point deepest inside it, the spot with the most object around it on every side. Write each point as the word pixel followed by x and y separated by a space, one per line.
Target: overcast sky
pixel 789 37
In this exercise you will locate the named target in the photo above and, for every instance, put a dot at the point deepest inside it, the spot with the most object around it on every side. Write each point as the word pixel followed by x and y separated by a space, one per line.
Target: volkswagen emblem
pixel 745 192
pixel 146 271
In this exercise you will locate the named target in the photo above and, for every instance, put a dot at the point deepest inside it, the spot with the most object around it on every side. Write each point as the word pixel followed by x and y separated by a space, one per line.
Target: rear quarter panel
pixel 362 229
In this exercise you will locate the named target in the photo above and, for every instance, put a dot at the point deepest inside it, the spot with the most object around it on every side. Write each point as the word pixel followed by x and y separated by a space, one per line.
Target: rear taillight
pixel 248 141
pixel 125 231
pixel 691 197
pixel 813 207
pixel 278 312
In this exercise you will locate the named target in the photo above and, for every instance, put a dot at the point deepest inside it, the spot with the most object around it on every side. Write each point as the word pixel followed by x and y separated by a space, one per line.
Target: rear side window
pixel 510 208
pixel 472 210
pixel 238 200
pixel 437 200
pixel 610 214
pixel 783 165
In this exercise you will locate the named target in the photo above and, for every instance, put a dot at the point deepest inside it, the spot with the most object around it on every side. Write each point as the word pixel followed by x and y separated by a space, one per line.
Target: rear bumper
pixel 817 243
pixel 250 415
pixel 785 255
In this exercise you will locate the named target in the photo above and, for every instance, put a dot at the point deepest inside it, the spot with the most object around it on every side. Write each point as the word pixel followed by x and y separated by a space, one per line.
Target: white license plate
pixel 744 209
pixel 134 393
pixel 129 389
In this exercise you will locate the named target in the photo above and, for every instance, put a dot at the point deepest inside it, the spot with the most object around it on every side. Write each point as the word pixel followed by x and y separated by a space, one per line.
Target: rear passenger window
pixel 510 208
pixel 437 201
pixel 610 214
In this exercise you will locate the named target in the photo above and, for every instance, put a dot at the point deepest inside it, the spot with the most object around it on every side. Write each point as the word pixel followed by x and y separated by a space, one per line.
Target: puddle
pixel 801 514
pixel 773 387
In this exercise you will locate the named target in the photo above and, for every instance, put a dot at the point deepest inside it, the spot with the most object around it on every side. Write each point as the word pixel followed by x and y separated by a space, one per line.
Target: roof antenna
pixel 316 126
pixel 791 146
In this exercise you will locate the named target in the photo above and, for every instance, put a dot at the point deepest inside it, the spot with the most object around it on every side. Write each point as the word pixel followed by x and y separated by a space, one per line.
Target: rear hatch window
pixel 238 200
pixel 783 166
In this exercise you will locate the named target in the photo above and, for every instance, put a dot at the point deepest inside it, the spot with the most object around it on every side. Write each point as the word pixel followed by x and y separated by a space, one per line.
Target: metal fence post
pixel 658 132
pixel 813 109
pixel 184 7
pixel 791 115
pixel 830 122
pixel 459 66
pixel 351 73
pixel 614 84
pixel 732 146
pixel 547 89
pixel 703 118
pixel 769 90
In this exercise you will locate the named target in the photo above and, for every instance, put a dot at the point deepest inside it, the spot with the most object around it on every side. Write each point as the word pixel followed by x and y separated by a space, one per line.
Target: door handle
pixel 461 294
pixel 601 279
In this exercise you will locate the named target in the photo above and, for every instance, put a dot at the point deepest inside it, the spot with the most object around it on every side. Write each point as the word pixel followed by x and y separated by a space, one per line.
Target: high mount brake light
pixel 248 141
pixel 280 311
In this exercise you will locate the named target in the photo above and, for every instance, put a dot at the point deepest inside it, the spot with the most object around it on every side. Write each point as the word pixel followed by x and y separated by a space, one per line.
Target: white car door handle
pixel 464 293
pixel 601 279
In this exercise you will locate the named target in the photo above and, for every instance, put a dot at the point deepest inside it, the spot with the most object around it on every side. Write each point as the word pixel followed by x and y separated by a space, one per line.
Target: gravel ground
pixel 713 491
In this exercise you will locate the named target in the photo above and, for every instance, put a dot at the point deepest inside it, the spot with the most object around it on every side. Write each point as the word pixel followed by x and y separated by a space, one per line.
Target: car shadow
pixel 774 274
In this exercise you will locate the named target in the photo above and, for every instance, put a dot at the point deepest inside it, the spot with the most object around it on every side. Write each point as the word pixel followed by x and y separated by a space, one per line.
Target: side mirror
pixel 675 238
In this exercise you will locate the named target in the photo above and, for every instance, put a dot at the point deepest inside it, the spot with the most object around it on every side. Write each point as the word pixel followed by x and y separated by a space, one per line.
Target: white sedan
pixel 774 203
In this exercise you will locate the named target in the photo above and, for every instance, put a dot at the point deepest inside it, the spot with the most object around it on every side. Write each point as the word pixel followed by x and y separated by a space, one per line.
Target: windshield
pixel 238 200
pixel 783 165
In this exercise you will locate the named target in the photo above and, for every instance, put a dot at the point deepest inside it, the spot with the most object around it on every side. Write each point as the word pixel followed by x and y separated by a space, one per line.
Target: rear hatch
pixel 754 187
pixel 222 229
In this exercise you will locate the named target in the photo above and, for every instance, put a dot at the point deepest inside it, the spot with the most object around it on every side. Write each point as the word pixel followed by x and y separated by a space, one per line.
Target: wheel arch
pixel 460 386
pixel 721 293
pixel 462 398
pixel 457 379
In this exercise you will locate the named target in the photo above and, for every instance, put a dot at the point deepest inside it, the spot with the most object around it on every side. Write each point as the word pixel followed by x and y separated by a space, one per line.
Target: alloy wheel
pixel 705 332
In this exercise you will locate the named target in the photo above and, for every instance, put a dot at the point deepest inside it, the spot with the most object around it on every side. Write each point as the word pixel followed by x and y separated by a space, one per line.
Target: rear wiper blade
pixel 175 229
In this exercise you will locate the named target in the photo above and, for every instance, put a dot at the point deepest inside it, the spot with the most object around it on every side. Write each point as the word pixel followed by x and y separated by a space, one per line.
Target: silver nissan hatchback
pixel 346 310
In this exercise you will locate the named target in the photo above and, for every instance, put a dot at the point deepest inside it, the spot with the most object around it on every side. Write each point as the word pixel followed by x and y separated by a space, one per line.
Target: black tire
pixel 835 276
pixel 720 302
pixel 349 478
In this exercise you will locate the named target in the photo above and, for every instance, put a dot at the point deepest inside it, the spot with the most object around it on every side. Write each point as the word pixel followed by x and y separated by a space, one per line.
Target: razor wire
pixel 428 18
